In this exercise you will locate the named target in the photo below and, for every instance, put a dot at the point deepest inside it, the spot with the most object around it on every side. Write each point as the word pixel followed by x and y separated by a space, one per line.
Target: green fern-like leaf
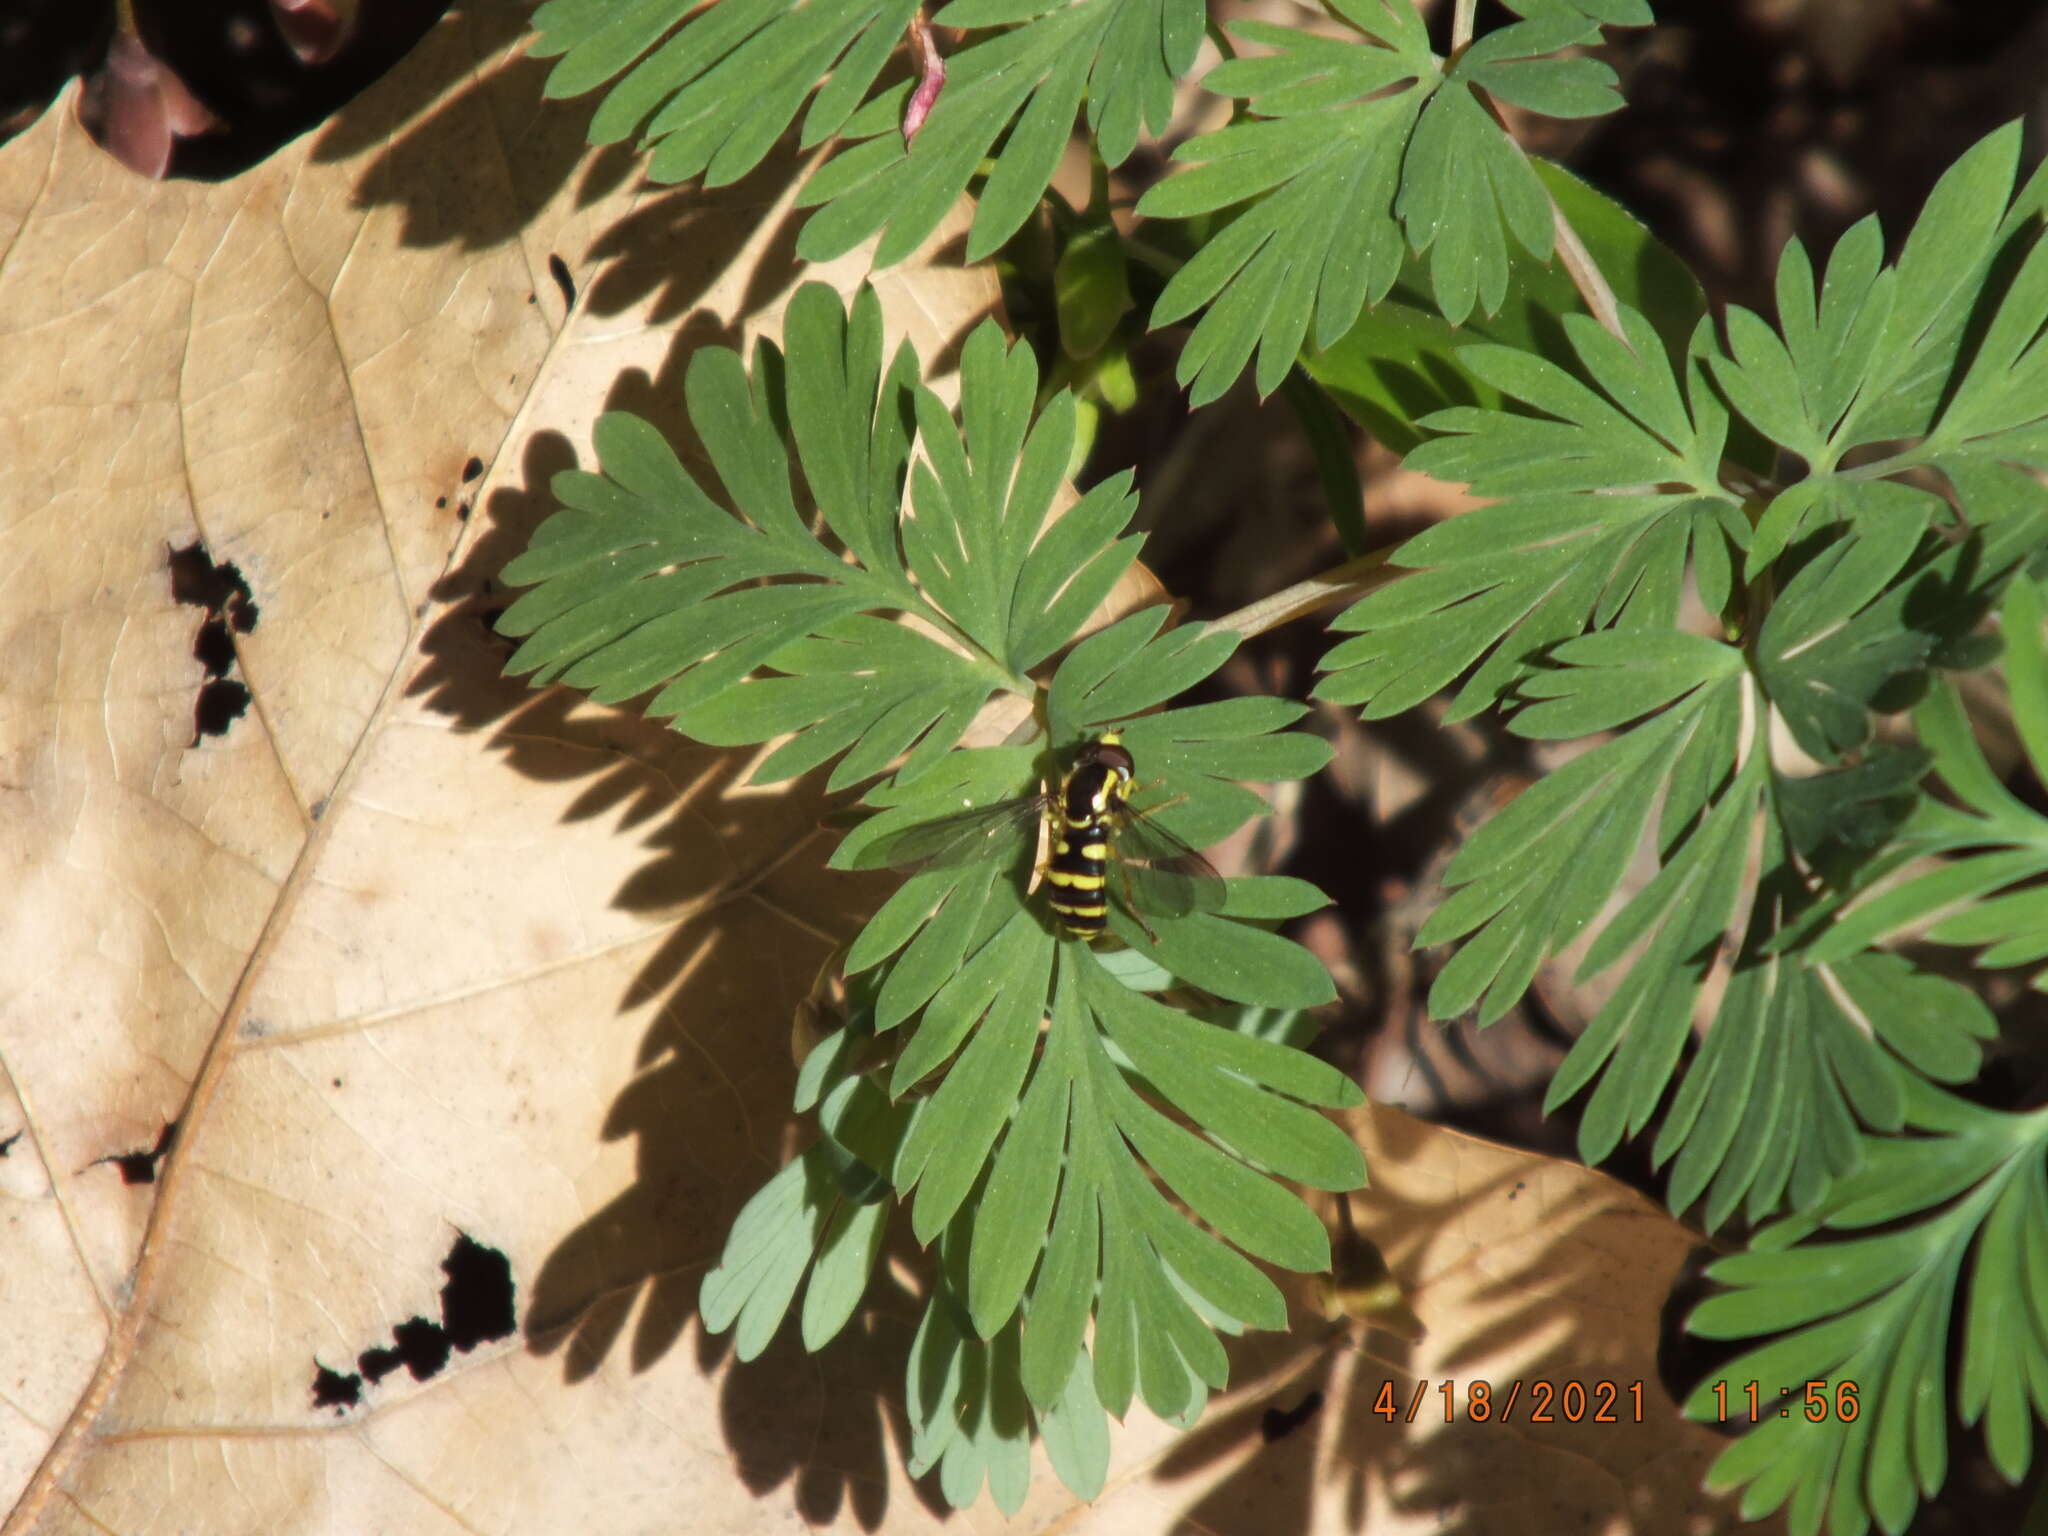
pixel 1465 186
pixel 1873 1313
pixel 1827 1041
pixel 752 625
pixel 715 98
pixel 1086 1152
pixel 1118 58
pixel 1571 543
pixel 1349 144
pixel 1320 163
pixel 1987 890
pixel 1873 354
pixel 1400 361
pixel 1006 1095
pixel 1611 493
pixel 971 1419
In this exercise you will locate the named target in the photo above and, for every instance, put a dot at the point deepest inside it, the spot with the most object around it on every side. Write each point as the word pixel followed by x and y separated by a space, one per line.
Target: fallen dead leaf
pixel 1543 1281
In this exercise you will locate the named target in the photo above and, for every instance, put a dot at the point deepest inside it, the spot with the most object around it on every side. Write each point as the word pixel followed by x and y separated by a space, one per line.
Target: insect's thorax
pixel 1093 790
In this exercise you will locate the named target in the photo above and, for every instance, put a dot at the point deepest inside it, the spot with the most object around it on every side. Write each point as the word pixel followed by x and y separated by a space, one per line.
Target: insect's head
pixel 1107 751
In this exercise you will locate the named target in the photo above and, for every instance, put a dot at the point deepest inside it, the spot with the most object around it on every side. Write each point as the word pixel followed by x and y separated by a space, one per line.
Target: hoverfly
pixel 1099 844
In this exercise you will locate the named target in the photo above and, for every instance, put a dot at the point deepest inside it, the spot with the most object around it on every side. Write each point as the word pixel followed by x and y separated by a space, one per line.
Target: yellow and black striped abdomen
pixel 1077 873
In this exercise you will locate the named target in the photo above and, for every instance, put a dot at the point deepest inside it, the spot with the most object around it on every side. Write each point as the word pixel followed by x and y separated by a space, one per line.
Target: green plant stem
pixel 1922 455
pixel 1165 263
pixel 1348 582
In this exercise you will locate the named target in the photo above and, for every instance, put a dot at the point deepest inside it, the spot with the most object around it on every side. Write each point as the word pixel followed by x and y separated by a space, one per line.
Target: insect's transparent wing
pixel 1162 875
pixel 986 832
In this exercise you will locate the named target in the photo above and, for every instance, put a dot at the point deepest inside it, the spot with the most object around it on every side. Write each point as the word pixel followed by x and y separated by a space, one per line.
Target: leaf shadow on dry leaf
pixel 500 112
pixel 675 244
pixel 1524 1271
pixel 712 226
pixel 659 399
pixel 708 1111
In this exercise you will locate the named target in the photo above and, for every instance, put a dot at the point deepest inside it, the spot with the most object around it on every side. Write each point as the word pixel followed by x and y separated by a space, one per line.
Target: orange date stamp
pixel 1821 1401
pixel 1569 1401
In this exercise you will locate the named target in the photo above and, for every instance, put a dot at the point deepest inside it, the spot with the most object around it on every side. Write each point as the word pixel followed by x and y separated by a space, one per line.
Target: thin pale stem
pixel 1348 582
pixel 1586 276
pixel 1461 25
pixel 1584 272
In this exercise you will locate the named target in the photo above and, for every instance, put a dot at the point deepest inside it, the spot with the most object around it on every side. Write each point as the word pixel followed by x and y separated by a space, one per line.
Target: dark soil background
pixel 1749 121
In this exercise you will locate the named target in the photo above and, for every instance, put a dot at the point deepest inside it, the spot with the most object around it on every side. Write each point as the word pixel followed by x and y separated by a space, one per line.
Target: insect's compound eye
pixel 1115 758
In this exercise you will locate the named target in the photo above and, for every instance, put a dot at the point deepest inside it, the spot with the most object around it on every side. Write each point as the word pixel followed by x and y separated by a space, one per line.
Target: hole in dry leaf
pixel 476 1303
pixel 476 1308
pixel 221 703
pixel 558 269
pixel 420 1346
pixel 1279 1423
pixel 140 1167
pixel 333 1390
pixel 215 647
pixel 220 589
pixel 231 609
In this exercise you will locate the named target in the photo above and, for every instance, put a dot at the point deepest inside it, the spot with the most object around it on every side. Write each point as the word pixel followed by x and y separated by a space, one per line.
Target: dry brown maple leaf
pixel 384 1062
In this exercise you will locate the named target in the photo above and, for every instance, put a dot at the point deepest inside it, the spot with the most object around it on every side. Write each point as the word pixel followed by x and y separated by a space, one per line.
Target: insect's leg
pixel 1152 810
pixel 1123 871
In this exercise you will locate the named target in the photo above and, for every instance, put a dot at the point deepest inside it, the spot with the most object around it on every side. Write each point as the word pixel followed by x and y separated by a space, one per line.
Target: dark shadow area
pixel 659 399
pixel 707 1109
pixel 1684 1360
pixel 1748 123
pixel 1417 390
pixel 1351 1426
pixel 265 87
pixel 755 913
pixel 203 89
pixel 1281 1431
pixel 43 43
